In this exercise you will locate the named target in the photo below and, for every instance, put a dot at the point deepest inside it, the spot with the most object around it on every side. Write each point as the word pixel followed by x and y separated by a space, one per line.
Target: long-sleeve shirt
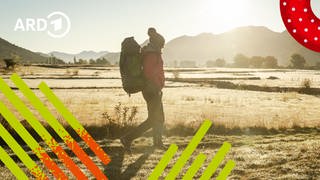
pixel 153 69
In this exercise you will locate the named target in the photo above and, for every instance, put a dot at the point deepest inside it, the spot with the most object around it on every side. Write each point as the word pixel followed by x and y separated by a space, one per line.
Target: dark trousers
pixel 155 120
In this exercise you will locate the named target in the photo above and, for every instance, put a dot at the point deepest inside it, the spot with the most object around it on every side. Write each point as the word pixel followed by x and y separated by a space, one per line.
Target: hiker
pixel 154 82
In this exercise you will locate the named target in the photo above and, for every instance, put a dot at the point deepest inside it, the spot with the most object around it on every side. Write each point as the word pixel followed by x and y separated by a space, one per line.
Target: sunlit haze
pixel 101 25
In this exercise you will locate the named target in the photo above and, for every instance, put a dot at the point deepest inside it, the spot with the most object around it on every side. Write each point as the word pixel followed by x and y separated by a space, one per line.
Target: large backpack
pixel 131 66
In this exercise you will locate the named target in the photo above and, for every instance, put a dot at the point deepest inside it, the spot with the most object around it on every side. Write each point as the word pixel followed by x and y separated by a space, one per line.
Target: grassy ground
pixel 281 156
pixel 274 135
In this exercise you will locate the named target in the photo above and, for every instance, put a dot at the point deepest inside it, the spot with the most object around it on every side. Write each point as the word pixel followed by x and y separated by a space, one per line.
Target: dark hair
pixel 152 29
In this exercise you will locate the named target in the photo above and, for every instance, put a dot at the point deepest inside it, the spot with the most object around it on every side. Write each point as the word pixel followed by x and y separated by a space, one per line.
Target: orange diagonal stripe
pixel 68 116
pixel 59 129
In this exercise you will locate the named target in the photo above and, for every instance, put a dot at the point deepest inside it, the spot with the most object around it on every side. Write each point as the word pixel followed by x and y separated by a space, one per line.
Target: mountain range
pixel 7 50
pixel 86 55
pixel 250 41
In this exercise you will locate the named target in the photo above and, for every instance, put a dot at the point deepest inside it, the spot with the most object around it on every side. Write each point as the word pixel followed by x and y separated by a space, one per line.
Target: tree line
pixel 99 61
pixel 13 60
pixel 297 61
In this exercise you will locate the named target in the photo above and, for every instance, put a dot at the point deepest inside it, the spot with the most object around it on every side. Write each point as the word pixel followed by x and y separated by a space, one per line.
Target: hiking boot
pixel 126 144
pixel 160 146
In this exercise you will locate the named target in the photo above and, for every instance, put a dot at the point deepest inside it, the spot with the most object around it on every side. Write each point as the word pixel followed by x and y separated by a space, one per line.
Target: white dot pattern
pixel 301 22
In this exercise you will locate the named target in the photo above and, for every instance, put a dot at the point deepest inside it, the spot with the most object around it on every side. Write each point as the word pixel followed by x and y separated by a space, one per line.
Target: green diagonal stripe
pixel 189 150
pixel 44 111
pixel 26 113
pixel 163 162
pixel 74 123
pixel 12 166
pixel 17 149
pixel 23 110
pixel 218 158
pixel 23 133
pixel 195 166
pixel 68 116
pixel 226 170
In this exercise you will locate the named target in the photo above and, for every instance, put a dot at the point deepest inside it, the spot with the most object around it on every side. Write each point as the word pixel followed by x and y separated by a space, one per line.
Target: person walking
pixel 152 92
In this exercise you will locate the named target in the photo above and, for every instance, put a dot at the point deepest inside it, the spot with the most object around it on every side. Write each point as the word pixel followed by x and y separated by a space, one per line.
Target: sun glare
pixel 226 14
pixel 229 8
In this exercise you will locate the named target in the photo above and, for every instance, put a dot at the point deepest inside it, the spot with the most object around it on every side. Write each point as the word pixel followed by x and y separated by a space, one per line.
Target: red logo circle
pixel 301 22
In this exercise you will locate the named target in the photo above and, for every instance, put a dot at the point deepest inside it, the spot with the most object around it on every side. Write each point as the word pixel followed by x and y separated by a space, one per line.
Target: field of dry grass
pixel 275 135
pixel 282 156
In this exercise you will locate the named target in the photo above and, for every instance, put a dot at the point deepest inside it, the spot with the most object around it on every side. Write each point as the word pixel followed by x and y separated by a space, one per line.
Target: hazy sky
pixel 102 24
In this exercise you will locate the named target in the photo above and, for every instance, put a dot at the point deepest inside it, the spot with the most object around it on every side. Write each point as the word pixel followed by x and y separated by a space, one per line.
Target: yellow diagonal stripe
pixel 23 156
pixel 189 150
pixel 226 170
pixel 43 110
pixel 75 124
pixel 195 166
pixel 214 164
pixel 163 162
pixel 198 162
pixel 11 165
pixel 27 114
pixel 23 133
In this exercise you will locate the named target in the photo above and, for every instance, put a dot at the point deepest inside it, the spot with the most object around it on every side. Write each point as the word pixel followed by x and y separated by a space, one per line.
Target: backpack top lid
pixel 130 46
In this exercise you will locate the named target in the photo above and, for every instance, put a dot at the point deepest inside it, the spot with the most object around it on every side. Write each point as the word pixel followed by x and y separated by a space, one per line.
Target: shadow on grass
pixel 114 170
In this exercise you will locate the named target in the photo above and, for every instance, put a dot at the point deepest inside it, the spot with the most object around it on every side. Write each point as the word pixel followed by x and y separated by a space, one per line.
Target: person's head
pixel 152 31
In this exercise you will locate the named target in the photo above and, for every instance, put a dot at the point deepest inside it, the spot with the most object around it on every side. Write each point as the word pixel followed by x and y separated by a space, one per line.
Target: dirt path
pixel 280 156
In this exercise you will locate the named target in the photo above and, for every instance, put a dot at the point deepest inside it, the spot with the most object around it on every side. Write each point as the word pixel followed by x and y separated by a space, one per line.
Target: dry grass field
pixel 275 135
pixel 282 156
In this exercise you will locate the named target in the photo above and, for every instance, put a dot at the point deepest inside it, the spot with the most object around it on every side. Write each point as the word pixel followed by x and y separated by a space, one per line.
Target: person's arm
pixel 161 40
